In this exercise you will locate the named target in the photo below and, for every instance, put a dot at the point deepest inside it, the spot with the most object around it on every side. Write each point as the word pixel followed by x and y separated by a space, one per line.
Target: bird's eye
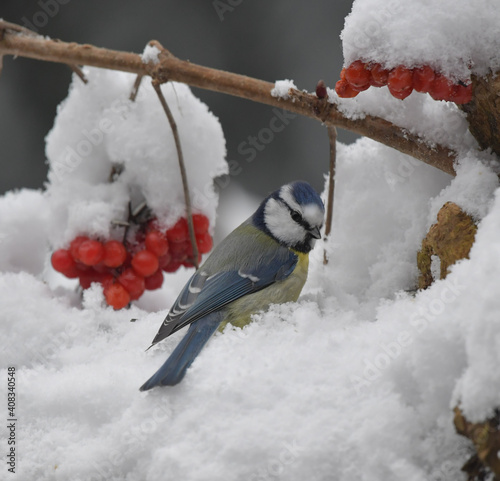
pixel 296 216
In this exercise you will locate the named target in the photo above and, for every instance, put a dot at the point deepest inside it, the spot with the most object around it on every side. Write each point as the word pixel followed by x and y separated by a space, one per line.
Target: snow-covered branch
pixel 15 40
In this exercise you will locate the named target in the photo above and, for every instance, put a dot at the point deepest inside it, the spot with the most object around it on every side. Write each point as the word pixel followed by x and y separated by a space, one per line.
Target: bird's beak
pixel 315 232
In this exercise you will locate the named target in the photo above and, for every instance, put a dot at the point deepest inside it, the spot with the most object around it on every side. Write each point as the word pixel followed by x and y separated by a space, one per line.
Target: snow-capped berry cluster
pixel 127 269
pixel 401 81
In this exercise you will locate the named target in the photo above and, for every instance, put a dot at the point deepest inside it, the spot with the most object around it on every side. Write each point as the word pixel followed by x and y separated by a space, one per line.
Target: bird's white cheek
pixel 280 224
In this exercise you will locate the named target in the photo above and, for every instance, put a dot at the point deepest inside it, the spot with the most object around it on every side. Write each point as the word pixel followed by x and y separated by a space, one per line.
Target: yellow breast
pixel 288 290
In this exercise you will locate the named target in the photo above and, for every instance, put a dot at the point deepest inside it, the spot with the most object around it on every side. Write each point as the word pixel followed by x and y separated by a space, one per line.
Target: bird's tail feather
pixel 175 367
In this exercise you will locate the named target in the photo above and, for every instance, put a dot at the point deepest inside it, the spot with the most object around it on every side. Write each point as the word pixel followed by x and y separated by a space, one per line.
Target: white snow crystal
pixel 99 130
pixel 356 380
pixel 150 54
pixel 451 36
pixel 281 88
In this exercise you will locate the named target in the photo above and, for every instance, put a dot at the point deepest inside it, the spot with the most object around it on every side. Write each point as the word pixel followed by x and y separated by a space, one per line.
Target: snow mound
pixel 106 150
pixel 23 219
pixel 451 36
pixel 355 381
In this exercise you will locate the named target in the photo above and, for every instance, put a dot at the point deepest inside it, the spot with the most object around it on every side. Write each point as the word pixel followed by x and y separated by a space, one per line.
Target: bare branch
pixel 135 88
pixel 332 136
pixel 170 67
pixel 78 72
pixel 182 167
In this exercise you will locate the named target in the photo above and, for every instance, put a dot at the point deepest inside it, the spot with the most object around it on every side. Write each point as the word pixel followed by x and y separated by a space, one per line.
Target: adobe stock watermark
pixel 405 169
pixel 73 156
pixel 278 465
pixel 249 149
pixel 419 322
pixel 48 9
pixel 225 6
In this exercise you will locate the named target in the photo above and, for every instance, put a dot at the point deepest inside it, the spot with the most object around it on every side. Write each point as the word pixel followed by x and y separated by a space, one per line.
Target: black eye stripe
pixel 297 217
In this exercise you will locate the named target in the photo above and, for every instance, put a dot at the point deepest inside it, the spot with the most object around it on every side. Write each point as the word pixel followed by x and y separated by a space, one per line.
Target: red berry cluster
pixel 401 81
pixel 126 270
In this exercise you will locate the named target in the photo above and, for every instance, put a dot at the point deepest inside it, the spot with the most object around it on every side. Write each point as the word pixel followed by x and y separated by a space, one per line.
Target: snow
pixel 451 36
pixel 436 122
pixel 150 54
pixel 282 87
pixel 357 380
pixel 98 128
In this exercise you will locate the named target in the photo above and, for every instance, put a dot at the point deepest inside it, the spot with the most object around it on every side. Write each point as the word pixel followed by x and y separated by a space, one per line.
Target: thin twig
pixel 14 27
pixel 135 88
pixel 79 73
pixel 171 68
pixel 182 167
pixel 332 136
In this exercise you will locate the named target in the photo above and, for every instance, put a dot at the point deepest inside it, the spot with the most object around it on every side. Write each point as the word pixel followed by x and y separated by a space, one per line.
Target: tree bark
pixel 14 40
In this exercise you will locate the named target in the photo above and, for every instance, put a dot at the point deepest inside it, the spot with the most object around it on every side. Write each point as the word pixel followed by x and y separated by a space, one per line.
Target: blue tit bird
pixel 263 261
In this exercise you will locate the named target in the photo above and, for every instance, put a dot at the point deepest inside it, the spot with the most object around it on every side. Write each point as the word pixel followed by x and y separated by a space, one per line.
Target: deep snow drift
pixel 314 390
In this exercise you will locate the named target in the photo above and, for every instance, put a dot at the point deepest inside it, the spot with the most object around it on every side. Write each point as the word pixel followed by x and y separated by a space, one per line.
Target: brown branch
pixel 483 112
pixel 486 439
pixel 135 88
pixel 170 67
pixel 182 167
pixel 332 136
pixel 78 72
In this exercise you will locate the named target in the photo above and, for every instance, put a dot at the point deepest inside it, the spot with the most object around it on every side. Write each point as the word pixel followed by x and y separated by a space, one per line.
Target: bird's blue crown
pixel 301 205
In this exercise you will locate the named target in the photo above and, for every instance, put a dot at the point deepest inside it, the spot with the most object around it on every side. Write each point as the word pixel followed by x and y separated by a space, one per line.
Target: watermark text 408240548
pixel 11 419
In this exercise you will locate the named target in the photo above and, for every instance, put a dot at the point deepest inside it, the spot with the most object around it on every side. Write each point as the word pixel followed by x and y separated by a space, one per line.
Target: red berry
pixel 63 262
pixel 103 278
pixel 140 237
pixel 145 263
pixel 106 279
pixel 423 78
pixel 91 252
pixel 172 266
pixel 75 245
pixel 179 232
pixel 344 90
pixel 358 75
pixel 156 242
pixel 133 283
pixel 100 268
pixel 441 88
pixel 155 281
pixel 85 280
pixel 379 75
pixel 179 250
pixel 204 242
pixel 114 253
pixel 116 296
pixel 360 89
pixel 164 261
pixel 461 94
pixel 200 223
pixel 400 82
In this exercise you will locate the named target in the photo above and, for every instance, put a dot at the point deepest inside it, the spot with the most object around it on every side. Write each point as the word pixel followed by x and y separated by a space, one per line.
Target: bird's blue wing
pixel 206 293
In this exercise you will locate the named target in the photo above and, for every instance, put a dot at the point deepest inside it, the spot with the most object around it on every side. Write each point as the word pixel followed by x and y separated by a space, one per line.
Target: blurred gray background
pixel 270 40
